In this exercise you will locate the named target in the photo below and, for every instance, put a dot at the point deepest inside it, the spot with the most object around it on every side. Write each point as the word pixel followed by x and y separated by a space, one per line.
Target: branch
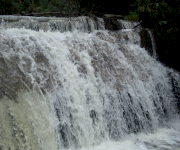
pixel 137 25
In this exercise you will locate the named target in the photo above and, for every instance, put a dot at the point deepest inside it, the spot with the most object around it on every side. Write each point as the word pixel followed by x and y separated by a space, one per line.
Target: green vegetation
pixel 133 16
pixel 161 9
pixel 28 6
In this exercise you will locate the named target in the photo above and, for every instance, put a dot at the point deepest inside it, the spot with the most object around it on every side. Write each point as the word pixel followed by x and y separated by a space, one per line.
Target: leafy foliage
pixel 17 6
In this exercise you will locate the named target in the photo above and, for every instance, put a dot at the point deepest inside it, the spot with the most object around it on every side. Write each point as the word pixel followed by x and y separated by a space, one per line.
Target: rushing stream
pixel 83 87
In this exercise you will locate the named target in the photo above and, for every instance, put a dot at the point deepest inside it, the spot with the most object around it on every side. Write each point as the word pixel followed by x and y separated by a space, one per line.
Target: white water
pixel 162 139
pixel 82 23
pixel 76 90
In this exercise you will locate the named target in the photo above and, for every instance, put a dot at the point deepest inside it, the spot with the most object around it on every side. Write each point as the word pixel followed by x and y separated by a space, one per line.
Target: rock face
pixel 167 37
pixel 146 40
pixel 52 14
pixel 112 24
pixel 174 78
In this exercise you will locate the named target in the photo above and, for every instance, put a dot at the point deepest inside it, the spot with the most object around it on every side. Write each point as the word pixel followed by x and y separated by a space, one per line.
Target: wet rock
pixel 112 24
pixel 146 41
pixel 174 78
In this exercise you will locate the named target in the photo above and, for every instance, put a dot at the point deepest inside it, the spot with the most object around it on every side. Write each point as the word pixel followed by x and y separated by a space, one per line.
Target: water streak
pixel 153 44
pixel 2 23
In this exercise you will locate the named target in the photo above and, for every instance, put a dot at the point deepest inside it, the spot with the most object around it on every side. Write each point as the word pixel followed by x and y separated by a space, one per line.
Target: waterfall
pixel 128 24
pixel 84 24
pixel 131 25
pixel 153 44
pixel 83 87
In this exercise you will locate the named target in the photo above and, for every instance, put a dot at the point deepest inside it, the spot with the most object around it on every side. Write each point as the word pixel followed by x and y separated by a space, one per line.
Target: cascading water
pixel 2 23
pixel 83 24
pixel 153 44
pixel 80 90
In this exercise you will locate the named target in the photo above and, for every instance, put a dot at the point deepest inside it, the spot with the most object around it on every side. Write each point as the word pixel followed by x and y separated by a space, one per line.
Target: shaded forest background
pixel 160 15
pixel 162 8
